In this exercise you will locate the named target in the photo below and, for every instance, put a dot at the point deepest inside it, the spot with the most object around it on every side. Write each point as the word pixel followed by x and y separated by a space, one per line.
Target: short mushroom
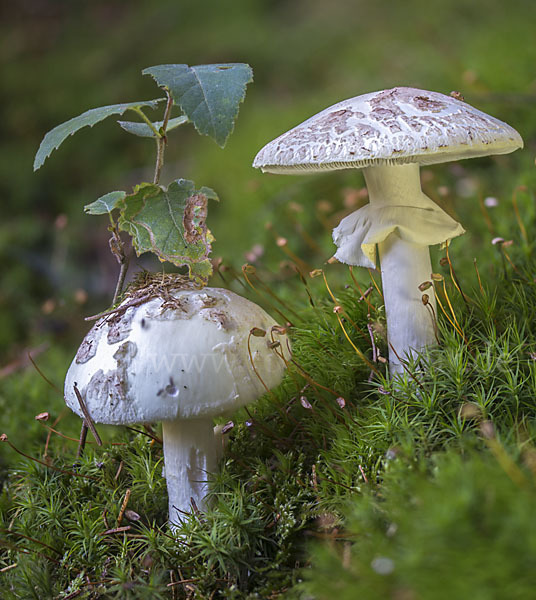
pixel 182 359
pixel 389 134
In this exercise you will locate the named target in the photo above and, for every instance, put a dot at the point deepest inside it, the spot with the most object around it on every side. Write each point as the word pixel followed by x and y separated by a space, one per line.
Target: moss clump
pixel 451 527
pixel 331 452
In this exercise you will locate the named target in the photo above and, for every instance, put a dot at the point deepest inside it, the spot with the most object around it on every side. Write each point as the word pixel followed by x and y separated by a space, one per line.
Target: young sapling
pixel 172 351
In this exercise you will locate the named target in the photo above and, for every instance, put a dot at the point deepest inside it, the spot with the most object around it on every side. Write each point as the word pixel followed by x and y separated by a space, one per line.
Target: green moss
pixel 299 462
pixel 450 527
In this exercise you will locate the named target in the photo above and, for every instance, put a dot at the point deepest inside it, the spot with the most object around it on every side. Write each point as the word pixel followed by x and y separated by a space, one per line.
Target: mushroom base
pixel 410 324
pixel 190 455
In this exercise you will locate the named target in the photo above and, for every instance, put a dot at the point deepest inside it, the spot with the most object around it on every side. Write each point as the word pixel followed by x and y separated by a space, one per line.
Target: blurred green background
pixel 60 58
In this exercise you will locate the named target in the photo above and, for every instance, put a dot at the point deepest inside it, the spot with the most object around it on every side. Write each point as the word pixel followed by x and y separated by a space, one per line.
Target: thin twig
pixel 116 530
pixel 119 309
pixel 87 416
pixel 174 583
pixel 123 270
pixel 117 248
pixel 82 440
pixel 123 507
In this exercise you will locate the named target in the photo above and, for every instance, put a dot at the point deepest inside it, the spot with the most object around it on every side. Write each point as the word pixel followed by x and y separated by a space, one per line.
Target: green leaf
pixel 209 193
pixel 105 204
pixel 171 224
pixel 208 94
pixel 55 137
pixel 143 130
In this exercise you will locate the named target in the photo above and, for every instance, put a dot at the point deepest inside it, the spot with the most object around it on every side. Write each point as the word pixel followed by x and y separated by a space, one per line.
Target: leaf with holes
pixel 209 95
pixel 55 137
pixel 105 204
pixel 171 224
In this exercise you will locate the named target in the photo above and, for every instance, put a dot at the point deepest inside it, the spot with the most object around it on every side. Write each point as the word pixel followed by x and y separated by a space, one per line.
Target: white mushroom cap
pixel 186 359
pixel 396 126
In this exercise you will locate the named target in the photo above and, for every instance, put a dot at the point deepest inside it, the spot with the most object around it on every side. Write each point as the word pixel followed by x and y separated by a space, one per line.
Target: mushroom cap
pixel 396 126
pixel 186 357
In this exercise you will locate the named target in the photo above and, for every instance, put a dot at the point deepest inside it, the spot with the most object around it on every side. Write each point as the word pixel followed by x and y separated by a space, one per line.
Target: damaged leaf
pixel 171 224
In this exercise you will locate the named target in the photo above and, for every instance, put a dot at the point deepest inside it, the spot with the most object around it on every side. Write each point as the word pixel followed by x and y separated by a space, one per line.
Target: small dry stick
pixel 82 441
pixel 118 472
pixel 119 309
pixel 88 419
pixel 117 248
pixel 123 507
pixel 116 530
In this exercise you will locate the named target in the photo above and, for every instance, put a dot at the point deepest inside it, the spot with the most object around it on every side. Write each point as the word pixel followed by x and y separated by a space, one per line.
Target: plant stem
pixel 121 280
pixel 118 250
pixel 161 141
pixel 148 121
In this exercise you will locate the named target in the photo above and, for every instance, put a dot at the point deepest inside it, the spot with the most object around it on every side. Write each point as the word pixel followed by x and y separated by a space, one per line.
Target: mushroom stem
pixel 410 326
pixel 404 264
pixel 189 456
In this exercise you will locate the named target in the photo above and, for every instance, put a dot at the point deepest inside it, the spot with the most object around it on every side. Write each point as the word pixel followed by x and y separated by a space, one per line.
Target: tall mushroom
pixel 389 134
pixel 183 358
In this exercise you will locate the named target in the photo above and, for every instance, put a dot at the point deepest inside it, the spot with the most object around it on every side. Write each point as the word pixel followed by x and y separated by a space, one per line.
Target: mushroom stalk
pixel 189 456
pixel 410 325
pixel 404 264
